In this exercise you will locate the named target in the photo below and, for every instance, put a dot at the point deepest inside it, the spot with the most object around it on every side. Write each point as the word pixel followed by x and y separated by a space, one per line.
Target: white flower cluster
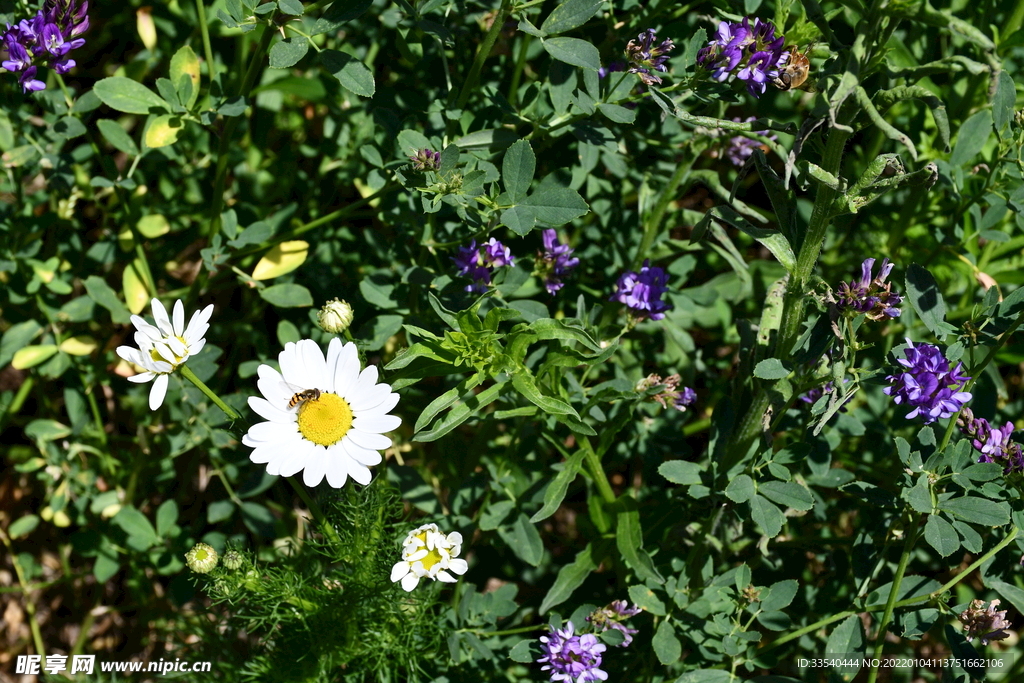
pixel 165 346
pixel 427 553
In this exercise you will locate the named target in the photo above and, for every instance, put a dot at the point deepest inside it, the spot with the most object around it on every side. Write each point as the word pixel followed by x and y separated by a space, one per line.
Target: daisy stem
pixel 317 512
pixel 191 377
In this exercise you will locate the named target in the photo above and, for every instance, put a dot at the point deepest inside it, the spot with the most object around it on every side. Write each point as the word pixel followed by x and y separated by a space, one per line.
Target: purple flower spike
pixel 642 292
pixel 645 58
pixel 478 263
pixel 612 616
pixel 870 295
pixel 555 262
pixel 45 40
pixel 568 657
pixel 751 54
pixel 29 82
pixel 928 385
pixel 742 148
pixel 993 442
pixel 426 160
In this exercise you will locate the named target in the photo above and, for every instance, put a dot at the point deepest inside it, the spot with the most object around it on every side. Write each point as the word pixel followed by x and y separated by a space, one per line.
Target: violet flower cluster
pixel 478 263
pixel 612 616
pixel 870 295
pixel 646 58
pixel 555 262
pixel 993 442
pixel 642 292
pixel 984 624
pixel 426 160
pixel 753 53
pixel 569 657
pixel 670 396
pixel 928 385
pixel 742 148
pixel 45 39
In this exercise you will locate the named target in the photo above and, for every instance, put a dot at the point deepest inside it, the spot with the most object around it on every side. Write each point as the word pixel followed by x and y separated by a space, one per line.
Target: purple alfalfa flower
pixel 18 58
pixel 29 82
pixel 426 160
pixel 670 395
pixel 478 263
pixel 555 262
pixel 612 616
pixel 752 54
pixel 928 385
pixel 70 16
pixel 645 58
pixel 573 658
pixel 642 292
pixel 45 40
pixel 760 68
pixel 871 294
pixel 993 443
pixel 984 623
pixel 741 148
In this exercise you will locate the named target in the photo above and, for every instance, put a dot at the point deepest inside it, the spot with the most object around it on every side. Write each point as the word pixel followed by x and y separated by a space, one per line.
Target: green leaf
pixel 912 586
pixel 18 336
pixel 350 72
pixel 645 598
pixel 293 7
pixel 105 567
pixel 569 15
pixel 846 639
pixel 774 620
pixel 521 652
pixel 573 51
pixel 570 577
pixel 166 517
pixel 517 169
pixel 519 219
pixel 973 135
pixel 707 676
pixel 141 534
pixel 526 386
pixel 528 545
pixel 287 296
pixel 768 517
pixel 100 292
pixel 617 113
pixel 788 493
pixel 556 205
pixel 494 514
pixel 461 412
pixel 288 52
pixel 124 94
pixel 941 535
pixel 780 595
pixel 69 127
pixel 1013 594
pixel 927 301
pixel 681 472
pixel 978 510
pixel 741 489
pixel 556 490
pixel 23 526
pixel 185 64
pixel 666 646
pixel 340 12
pixel 1003 102
pixel 219 510
pixel 629 539
pixel 770 368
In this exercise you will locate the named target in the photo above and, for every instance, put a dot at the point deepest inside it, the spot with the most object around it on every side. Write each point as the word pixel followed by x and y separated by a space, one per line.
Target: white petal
pixel 270 411
pixel 273 387
pixel 147 330
pixel 157 393
pixel 418 554
pixel 177 346
pixel 359 454
pixel 364 400
pixel 446 577
pixel 337 472
pixel 455 538
pixel 197 326
pixel 195 347
pixel 165 352
pixel 359 472
pixel 409 582
pixel 380 409
pixel 179 318
pixel 380 424
pixel 346 369
pixel 265 452
pixel 162 319
pixel 128 353
pixel 459 566
pixel 142 377
pixel 295 460
pixel 269 432
pixel 313 360
pixel 371 442
pixel 333 356
pixel 293 367
pixel 316 468
pixel 400 570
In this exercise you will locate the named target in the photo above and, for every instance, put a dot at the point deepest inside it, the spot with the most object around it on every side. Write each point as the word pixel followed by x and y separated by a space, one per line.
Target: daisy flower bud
pixel 201 559
pixel 233 560
pixel 335 316
pixel 427 553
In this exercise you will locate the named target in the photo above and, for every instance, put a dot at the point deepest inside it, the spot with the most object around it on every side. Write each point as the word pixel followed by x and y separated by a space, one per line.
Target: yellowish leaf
pixel 146 27
pixel 82 345
pixel 282 259
pixel 185 62
pixel 30 356
pixel 153 226
pixel 162 131
pixel 135 294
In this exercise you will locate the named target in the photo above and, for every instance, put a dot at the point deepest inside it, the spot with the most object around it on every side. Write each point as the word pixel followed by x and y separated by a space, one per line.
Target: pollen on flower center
pixel 433 556
pixel 325 420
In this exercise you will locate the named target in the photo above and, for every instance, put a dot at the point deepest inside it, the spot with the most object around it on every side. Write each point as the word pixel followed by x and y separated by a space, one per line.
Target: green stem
pixel 229 129
pixel 187 373
pixel 481 54
pixel 317 512
pixel 890 604
pixel 30 605
pixel 655 218
pixel 604 487
pixel 204 29
pixel 506 632
pixel 513 89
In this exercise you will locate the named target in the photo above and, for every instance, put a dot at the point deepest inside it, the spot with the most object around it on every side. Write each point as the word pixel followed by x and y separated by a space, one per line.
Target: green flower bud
pixel 201 559
pixel 335 316
pixel 232 560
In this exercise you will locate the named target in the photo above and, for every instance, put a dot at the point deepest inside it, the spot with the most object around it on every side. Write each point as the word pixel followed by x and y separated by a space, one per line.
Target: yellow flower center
pixel 177 359
pixel 433 556
pixel 325 420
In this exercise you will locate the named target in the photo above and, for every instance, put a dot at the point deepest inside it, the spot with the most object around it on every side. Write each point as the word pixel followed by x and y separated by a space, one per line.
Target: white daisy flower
pixel 427 553
pixel 165 346
pixel 324 416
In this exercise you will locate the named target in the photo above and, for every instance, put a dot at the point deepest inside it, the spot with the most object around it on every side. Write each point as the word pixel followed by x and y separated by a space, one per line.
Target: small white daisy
pixel 324 416
pixel 165 346
pixel 427 553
